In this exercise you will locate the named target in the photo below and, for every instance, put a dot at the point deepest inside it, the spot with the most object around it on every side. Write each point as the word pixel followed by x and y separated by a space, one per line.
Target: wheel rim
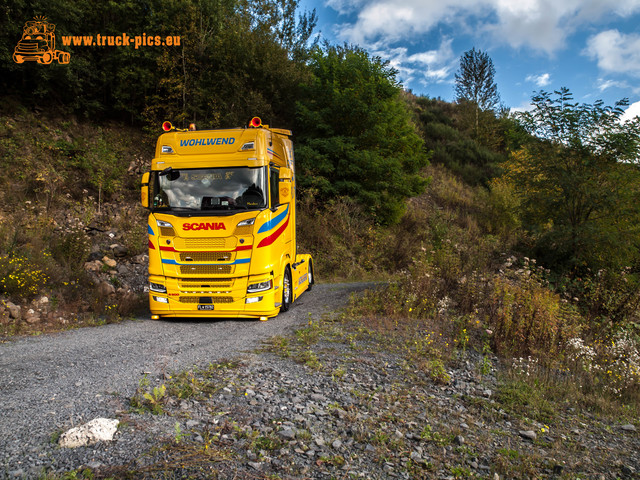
pixel 310 275
pixel 287 288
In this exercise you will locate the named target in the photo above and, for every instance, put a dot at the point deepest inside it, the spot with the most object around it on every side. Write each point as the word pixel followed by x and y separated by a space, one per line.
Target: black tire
pixel 287 290
pixel 311 276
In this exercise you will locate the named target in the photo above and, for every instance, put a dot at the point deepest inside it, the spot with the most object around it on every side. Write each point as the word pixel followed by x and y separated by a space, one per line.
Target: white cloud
pixel 542 25
pixel 606 84
pixel 525 106
pixel 540 80
pixel 432 66
pixel 632 111
pixel 615 52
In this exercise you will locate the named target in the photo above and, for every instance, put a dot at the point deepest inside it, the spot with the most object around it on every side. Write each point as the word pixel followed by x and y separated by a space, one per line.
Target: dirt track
pixel 53 382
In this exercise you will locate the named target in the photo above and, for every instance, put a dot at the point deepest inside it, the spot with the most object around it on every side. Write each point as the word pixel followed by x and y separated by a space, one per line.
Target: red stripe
pixel 266 241
pixel 151 247
pixel 237 249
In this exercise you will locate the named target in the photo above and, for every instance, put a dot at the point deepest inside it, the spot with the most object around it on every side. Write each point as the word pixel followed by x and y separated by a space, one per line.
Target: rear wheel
pixel 286 290
pixel 63 57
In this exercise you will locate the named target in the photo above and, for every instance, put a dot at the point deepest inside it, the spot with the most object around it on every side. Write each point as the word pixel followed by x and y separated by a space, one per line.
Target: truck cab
pixel 222 224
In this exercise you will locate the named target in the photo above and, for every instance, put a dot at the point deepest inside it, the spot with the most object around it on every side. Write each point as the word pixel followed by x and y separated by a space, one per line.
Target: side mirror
pixel 285 175
pixel 144 191
pixel 285 191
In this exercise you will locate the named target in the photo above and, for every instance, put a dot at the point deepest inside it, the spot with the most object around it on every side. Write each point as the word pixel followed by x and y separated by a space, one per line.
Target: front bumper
pixel 213 298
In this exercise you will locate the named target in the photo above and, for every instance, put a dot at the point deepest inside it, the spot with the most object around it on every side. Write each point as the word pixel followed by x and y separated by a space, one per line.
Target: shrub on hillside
pixel 20 277
pixel 527 318
pixel 344 242
pixel 612 365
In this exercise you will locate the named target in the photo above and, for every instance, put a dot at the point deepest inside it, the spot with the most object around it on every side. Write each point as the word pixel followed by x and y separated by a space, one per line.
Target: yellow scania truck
pixel 222 224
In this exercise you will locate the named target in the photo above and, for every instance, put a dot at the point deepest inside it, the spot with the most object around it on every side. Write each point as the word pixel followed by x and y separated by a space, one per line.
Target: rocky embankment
pixel 112 278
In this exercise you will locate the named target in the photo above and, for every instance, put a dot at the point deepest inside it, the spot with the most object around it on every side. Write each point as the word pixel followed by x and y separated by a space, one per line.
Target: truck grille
pixel 204 242
pixel 213 299
pixel 27 48
pixel 206 269
pixel 205 256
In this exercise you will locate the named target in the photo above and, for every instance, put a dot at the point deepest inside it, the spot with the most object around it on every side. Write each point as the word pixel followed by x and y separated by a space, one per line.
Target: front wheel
pixel 286 291
pixel 46 58
pixel 311 276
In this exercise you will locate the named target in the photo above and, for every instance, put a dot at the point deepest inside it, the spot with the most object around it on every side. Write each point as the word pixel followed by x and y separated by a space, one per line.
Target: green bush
pixel 20 278
pixel 527 318
pixel 70 249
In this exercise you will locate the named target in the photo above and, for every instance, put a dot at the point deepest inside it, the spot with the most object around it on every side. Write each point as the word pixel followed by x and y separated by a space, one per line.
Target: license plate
pixel 205 307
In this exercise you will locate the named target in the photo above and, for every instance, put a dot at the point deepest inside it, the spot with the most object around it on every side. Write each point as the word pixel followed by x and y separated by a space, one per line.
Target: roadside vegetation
pixel 507 235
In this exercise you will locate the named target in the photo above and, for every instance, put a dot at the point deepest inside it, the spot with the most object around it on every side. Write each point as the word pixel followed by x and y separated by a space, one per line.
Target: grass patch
pixel 520 397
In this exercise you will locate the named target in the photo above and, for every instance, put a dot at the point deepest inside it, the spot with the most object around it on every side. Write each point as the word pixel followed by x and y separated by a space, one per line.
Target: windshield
pixel 239 188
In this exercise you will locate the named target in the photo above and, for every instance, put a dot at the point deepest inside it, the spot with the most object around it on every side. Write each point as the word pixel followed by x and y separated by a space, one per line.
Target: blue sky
pixel 590 46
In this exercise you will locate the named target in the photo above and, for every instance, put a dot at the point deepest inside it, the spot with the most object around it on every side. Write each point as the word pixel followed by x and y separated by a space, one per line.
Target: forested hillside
pixel 518 233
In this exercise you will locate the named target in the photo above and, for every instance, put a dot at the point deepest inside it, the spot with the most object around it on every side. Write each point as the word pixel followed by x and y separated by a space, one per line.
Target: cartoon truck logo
pixel 38 43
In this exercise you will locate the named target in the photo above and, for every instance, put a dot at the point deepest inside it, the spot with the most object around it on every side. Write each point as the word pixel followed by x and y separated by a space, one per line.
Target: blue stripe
pixel 150 230
pixel 239 261
pixel 274 221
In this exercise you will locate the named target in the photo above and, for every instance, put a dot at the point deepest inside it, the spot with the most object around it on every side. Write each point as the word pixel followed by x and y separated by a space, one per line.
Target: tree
pixel 454 146
pixel 354 134
pixel 235 59
pixel 475 84
pixel 579 181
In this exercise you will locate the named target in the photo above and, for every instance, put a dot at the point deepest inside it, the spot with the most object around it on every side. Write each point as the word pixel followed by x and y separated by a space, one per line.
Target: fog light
pixel 161 299
pixel 253 300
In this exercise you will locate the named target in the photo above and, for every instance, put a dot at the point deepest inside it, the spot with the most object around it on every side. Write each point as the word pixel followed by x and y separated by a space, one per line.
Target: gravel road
pixel 53 382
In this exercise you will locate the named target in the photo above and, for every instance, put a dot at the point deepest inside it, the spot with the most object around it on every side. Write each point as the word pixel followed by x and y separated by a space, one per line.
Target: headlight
pixel 161 299
pixel 259 287
pixel 157 287
pixel 164 224
pixel 253 299
pixel 247 222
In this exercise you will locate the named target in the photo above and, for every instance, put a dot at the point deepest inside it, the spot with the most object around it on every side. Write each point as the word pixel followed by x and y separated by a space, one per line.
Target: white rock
pixel 97 430
pixel 528 434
